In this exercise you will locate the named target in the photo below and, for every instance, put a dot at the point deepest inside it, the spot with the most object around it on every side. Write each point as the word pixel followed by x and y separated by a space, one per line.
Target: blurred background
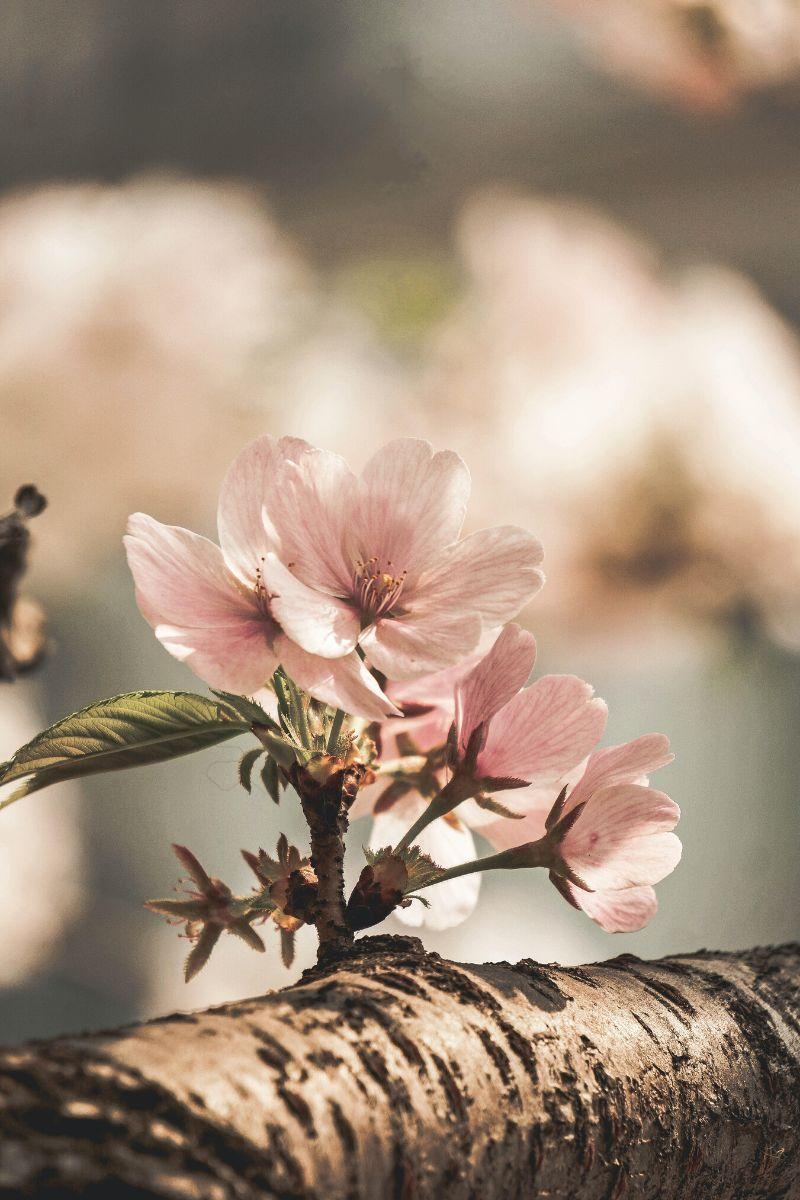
pixel 561 238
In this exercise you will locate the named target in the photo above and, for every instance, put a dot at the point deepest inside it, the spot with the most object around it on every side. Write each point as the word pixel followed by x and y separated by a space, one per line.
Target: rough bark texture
pixel 398 1075
pixel 326 804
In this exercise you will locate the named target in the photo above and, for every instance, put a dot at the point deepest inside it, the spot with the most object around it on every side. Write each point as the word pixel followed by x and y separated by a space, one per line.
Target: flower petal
pixel 412 504
pixel 448 843
pixel 493 572
pixel 495 680
pixel 623 838
pixel 622 911
pixel 318 622
pixel 341 682
pixel 243 534
pixel 544 730
pixel 420 643
pixel 198 610
pixel 311 511
pixel 630 762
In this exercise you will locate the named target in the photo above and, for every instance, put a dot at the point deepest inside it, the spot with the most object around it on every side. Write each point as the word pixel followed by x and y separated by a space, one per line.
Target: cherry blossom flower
pixel 507 732
pixel 540 732
pixel 619 844
pixel 210 608
pixel 376 560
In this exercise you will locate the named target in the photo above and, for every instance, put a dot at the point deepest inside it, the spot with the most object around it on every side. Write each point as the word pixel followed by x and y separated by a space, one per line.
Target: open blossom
pixel 509 733
pixel 538 734
pixel 210 607
pixel 618 838
pixel 376 560
pixel 621 841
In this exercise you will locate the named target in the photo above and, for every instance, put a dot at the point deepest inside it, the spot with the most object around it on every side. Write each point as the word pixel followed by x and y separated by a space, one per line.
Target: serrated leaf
pixel 272 779
pixel 502 783
pixel 131 730
pixel 246 764
pixel 421 868
pixel 246 707
pixel 201 951
pixel 494 806
pixel 287 947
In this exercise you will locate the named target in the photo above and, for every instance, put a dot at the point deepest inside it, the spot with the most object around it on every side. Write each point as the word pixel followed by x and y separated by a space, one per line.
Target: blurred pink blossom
pixel 703 54
pixel 651 425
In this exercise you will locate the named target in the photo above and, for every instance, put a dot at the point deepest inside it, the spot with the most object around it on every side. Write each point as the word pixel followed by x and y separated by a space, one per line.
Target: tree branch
pixel 21 622
pixel 396 1075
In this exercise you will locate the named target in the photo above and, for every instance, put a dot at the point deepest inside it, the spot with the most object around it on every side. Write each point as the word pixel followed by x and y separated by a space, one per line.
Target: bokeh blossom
pixel 42 867
pixel 651 424
pixel 702 54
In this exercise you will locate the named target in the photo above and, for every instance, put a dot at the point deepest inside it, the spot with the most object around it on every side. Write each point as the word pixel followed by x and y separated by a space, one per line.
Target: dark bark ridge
pixel 397 1075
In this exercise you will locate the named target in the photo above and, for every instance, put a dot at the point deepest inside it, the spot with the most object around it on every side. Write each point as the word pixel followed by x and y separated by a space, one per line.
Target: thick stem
pixel 325 805
pixel 327 857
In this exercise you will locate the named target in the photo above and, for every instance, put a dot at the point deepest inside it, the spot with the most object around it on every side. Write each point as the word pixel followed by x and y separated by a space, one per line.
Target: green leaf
pixel 246 707
pixel 125 731
pixel 246 764
pixel 272 780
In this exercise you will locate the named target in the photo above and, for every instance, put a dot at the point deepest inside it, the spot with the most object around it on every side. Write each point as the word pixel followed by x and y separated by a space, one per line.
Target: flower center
pixel 261 593
pixel 376 589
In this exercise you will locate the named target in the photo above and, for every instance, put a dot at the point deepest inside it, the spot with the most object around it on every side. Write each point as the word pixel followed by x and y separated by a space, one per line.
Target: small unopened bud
pixel 380 889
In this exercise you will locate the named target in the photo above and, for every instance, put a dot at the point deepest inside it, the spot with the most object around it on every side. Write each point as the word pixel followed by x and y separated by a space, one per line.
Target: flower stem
pixel 459 788
pixel 336 729
pixel 326 804
pixel 533 854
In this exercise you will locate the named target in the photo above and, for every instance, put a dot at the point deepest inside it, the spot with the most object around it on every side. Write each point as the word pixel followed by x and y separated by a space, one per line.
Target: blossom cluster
pixel 385 641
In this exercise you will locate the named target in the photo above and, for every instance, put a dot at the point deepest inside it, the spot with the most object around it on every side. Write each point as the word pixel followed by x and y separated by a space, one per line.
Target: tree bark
pixel 396 1075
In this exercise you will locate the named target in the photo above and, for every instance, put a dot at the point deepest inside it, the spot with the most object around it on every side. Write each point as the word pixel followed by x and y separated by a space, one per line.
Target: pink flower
pixel 210 607
pixel 507 732
pixel 614 836
pixel 376 560
pixel 537 733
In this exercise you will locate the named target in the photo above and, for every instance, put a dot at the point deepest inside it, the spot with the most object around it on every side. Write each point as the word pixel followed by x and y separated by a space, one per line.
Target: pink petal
pixel 544 730
pixel 420 643
pixel 341 682
pixel 438 689
pixel 495 680
pixel 448 844
pixel 412 504
pixel 319 623
pixel 197 608
pixel 243 535
pixel 311 510
pixel 494 572
pixel 622 911
pixel 622 838
pixel 630 762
